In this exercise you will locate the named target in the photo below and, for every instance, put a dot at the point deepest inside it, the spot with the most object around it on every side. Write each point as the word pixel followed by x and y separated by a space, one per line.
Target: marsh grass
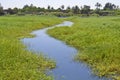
pixel 98 42
pixel 16 63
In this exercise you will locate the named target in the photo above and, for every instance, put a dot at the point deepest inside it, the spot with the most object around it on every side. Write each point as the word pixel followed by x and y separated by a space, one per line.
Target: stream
pixel 67 68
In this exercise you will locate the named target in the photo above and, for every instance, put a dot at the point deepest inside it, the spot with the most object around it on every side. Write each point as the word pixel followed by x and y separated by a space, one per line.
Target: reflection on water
pixel 67 68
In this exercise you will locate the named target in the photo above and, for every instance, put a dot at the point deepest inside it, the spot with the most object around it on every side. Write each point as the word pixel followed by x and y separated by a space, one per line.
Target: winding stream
pixel 67 68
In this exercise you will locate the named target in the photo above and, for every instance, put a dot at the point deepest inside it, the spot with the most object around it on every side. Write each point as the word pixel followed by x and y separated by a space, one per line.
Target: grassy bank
pixel 16 63
pixel 98 42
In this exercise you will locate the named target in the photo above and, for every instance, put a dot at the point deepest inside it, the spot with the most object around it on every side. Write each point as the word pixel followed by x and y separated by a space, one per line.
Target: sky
pixel 54 3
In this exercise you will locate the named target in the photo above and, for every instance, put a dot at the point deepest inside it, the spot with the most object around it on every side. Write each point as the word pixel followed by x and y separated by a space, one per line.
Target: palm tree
pixel 48 7
pixel 98 5
pixel 62 7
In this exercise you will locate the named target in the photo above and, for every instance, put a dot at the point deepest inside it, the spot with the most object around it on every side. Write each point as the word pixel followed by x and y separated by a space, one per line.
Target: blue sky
pixel 54 3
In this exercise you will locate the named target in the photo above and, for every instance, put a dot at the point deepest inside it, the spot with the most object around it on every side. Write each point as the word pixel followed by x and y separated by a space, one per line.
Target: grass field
pixel 98 42
pixel 16 63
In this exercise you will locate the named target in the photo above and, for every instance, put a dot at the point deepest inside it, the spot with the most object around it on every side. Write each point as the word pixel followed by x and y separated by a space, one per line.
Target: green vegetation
pixel 16 63
pixel 109 9
pixel 98 42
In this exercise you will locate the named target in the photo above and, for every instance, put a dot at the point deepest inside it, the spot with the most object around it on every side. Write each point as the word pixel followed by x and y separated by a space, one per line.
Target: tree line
pixel 108 9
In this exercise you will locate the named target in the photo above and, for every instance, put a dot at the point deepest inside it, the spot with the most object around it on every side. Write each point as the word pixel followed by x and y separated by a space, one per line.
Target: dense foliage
pixel 85 10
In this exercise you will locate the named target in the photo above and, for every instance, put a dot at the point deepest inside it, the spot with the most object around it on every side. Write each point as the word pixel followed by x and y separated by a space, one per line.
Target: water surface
pixel 67 68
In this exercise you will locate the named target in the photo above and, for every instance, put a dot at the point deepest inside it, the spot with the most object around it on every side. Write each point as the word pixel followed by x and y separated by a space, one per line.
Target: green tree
pixel 48 7
pixel 98 5
pixel 76 9
pixel 15 10
pixel 33 9
pixel 10 11
pixel 62 7
pixel 85 10
pixel 26 8
pixel 117 7
pixel 68 9
pixel 109 6
pixel 52 9
pixel 59 9
pixel 1 10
